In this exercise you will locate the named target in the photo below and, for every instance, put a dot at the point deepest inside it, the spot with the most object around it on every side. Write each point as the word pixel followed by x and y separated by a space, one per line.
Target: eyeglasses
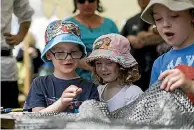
pixel 63 55
pixel 83 1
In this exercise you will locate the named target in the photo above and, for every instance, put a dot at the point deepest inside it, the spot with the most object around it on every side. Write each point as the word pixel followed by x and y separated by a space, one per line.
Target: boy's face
pixel 107 69
pixel 175 27
pixel 65 57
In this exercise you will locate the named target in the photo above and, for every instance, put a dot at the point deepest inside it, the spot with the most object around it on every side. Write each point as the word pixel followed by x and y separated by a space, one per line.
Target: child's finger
pixel 172 80
pixel 68 95
pixel 164 83
pixel 71 89
pixel 67 101
pixel 165 74
pixel 175 85
pixel 78 91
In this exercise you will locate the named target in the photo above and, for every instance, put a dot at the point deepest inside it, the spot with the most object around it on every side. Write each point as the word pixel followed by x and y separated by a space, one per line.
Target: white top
pixel 125 96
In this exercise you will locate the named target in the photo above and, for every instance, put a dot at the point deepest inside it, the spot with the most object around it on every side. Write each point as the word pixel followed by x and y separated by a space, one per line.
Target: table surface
pixel 8 119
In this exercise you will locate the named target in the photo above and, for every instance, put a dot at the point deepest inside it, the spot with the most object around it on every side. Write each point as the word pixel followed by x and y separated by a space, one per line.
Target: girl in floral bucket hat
pixel 115 69
pixel 64 90
pixel 174 20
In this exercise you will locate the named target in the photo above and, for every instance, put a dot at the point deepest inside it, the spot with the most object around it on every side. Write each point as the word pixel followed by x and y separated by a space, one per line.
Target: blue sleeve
pixel 36 96
pixel 155 72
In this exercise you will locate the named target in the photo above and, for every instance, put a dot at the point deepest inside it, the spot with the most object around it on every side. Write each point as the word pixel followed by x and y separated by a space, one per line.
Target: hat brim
pixel 63 38
pixel 147 14
pixel 126 60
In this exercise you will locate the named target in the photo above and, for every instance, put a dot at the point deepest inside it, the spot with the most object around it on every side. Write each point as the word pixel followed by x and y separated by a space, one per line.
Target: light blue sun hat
pixel 62 31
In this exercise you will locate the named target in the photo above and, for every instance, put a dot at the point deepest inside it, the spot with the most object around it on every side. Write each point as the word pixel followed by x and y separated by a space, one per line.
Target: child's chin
pixel 107 80
pixel 69 70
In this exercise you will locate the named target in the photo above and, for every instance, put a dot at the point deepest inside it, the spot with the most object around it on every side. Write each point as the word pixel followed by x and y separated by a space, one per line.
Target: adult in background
pixel 91 26
pixel 144 43
pixel 23 11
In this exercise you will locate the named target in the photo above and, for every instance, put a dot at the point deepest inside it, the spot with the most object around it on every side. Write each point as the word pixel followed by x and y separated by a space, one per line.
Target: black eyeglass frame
pixel 54 54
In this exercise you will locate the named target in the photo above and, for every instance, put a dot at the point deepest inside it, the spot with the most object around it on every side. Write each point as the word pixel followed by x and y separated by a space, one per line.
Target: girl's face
pixel 175 27
pixel 107 69
pixel 65 57
pixel 86 7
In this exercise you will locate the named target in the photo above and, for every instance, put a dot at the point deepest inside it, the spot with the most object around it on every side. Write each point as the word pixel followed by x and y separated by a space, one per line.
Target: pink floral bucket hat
pixel 114 47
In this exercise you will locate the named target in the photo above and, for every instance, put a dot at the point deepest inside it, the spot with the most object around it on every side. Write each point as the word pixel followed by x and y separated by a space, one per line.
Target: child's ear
pixel 48 56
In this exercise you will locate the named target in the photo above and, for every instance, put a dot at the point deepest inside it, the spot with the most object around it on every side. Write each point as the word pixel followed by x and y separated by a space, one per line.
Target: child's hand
pixel 65 100
pixel 174 79
pixel 69 94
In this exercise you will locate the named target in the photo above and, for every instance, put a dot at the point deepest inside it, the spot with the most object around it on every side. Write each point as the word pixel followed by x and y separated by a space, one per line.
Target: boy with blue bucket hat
pixel 64 89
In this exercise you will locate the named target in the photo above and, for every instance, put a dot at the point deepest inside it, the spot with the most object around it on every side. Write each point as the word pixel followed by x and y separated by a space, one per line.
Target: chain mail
pixel 153 109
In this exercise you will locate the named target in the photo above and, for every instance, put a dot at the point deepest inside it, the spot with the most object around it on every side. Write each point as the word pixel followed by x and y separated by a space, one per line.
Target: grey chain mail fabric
pixel 155 108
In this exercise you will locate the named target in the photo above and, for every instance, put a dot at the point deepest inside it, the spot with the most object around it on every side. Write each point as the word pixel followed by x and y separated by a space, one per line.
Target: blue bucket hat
pixel 62 31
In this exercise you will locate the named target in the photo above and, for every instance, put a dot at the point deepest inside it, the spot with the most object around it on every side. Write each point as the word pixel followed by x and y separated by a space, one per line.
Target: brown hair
pixel 100 9
pixel 126 75
pixel 191 11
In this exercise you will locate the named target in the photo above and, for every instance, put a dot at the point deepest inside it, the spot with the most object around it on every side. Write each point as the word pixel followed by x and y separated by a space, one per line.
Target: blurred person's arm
pixel 16 39
pixel 145 38
pixel 135 42
pixel 153 39
pixel 24 12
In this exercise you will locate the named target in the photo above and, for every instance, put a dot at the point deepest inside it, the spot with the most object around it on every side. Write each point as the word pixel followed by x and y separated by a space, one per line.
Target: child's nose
pixel 166 23
pixel 69 57
pixel 104 67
